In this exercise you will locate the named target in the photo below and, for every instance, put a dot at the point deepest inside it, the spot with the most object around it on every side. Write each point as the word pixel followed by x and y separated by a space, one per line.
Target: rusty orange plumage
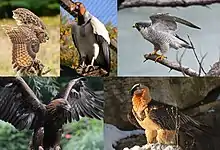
pixel 162 121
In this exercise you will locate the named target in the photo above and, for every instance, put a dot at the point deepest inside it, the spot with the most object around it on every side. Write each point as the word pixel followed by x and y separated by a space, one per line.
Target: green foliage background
pixel 87 134
pixel 39 7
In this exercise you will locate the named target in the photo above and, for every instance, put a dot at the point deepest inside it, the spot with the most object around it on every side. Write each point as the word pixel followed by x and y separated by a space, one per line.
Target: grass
pixel 49 52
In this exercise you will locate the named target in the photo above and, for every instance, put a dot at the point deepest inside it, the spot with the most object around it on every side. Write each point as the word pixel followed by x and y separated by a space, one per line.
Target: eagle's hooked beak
pixel 67 107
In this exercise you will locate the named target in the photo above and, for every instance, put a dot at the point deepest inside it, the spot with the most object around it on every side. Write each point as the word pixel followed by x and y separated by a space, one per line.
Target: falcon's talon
pixel 161 57
pixel 154 52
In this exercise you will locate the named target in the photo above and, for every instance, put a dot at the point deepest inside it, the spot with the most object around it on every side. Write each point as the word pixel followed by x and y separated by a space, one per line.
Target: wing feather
pixel 24 16
pixel 171 118
pixel 25 44
pixel 84 101
pixel 104 55
pixel 166 22
pixel 19 105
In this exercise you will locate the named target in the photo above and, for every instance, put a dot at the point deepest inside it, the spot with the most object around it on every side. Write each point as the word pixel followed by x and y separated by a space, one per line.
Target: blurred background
pixel 106 12
pixel 48 11
pixel 87 134
pixel 132 45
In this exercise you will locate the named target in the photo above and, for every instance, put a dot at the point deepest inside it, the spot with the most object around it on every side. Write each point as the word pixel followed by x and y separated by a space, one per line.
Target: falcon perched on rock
pixel 160 31
pixel 91 39
pixel 162 122
pixel 20 106
pixel 26 38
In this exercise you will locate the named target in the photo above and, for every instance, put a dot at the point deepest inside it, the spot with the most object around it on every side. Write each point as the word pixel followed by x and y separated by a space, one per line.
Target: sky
pixel 104 10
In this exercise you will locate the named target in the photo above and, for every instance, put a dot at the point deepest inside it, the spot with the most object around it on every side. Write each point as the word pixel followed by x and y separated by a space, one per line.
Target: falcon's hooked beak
pixel 134 25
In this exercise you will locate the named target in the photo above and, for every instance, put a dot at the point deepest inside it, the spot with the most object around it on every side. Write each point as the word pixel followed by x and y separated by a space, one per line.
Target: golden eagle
pixel 21 107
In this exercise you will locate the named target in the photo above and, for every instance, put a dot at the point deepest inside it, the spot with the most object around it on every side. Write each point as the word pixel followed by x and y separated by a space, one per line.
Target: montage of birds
pixel 109 75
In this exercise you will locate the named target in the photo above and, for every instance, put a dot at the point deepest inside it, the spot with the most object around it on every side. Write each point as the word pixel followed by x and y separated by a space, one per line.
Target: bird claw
pixel 154 53
pixel 40 148
pixel 161 57
pixel 90 68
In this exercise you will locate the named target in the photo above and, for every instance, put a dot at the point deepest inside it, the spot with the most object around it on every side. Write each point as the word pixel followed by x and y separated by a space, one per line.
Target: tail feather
pixel 185 43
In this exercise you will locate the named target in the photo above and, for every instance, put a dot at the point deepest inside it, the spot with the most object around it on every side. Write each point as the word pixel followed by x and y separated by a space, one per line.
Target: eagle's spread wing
pixel 167 23
pixel 24 16
pixel 84 101
pixel 25 45
pixel 171 118
pixel 19 105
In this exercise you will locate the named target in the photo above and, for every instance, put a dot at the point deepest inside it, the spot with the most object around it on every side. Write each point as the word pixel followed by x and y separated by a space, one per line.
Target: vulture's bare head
pixel 78 8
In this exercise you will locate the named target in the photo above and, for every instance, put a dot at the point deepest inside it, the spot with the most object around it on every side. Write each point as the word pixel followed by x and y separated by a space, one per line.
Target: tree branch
pixel 197 58
pixel 165 3
pixel 172 65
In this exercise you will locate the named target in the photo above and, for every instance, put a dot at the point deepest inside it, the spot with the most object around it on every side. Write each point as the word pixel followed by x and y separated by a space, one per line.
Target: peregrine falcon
pixel 160 31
